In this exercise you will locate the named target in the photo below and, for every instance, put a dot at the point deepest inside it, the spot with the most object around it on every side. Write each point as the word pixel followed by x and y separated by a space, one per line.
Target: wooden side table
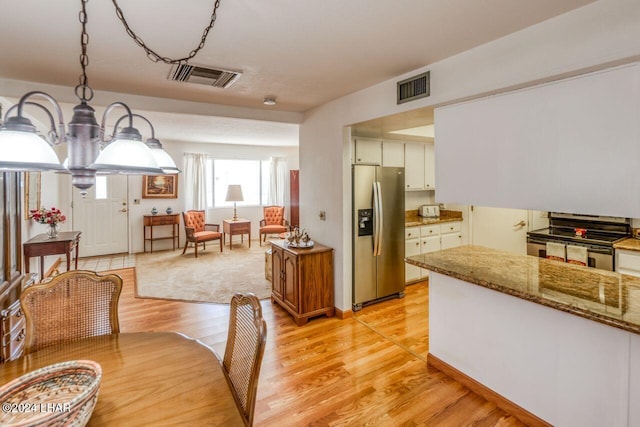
pixel 231 227
pixel 159 220
pixel 302 280
pixel 42 246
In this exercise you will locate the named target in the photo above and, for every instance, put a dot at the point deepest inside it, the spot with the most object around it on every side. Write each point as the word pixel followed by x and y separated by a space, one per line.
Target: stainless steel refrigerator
pixel 378 233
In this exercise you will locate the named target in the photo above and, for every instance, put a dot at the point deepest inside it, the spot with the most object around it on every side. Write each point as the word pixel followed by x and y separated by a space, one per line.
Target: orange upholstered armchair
pixel 273 222
pixel 198 232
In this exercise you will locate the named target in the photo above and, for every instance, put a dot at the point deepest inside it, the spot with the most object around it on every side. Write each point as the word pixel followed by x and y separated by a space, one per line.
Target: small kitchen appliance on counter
pixel 429 211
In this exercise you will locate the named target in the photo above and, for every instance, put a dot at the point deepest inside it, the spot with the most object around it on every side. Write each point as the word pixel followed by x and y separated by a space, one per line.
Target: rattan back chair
pixel 73 305
pixel 243 353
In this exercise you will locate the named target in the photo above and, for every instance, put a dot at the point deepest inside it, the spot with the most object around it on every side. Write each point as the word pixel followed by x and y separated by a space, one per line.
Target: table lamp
pixel 234 194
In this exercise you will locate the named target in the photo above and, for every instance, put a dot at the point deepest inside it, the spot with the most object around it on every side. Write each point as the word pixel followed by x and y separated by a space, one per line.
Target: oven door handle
pixel 605 251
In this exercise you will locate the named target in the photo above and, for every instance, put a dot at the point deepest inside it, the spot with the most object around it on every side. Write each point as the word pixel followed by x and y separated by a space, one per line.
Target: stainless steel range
pixel 596 233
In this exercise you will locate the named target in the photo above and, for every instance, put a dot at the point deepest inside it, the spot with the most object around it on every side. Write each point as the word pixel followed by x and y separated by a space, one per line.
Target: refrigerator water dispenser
pixel 365 222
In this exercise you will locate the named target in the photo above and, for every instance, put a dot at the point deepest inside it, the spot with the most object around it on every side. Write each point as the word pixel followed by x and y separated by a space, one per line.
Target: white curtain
pixel 195 189
pixel 278 183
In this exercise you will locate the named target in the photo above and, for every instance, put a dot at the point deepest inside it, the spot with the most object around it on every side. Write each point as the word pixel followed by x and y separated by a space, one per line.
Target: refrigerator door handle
pixel 376 219
pixel 380 218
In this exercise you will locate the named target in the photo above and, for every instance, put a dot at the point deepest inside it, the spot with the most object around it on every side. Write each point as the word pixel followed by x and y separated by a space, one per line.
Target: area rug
pixel 212 277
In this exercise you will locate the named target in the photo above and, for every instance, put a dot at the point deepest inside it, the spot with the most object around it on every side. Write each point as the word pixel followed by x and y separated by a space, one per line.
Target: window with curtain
pixel 249 174
pixel 263 181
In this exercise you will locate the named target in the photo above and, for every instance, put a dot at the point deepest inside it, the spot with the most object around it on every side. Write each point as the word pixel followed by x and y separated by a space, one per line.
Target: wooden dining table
pixel 148 378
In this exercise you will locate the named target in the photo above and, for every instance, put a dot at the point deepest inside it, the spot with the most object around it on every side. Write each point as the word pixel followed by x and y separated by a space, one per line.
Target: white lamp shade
pixel 234 193
pixel 26 151
pixel 127 156
pixel 164 160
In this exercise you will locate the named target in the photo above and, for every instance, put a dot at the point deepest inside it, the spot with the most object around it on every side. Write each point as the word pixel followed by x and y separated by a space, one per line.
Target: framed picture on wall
pixel 31 193
pixel 160 186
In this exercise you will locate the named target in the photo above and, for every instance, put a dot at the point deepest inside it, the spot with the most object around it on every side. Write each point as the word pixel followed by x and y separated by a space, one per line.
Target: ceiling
pixel 303 53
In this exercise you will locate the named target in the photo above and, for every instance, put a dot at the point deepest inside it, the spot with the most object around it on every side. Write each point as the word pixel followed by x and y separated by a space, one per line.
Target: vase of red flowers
pixel 51 217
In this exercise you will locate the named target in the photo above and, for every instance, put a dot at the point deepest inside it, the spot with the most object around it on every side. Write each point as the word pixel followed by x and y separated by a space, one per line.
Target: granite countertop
pixel 412 219
pixel 599 295
pixel 629 244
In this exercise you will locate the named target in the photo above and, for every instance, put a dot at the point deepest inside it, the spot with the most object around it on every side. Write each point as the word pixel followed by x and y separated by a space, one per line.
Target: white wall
pixel 568 146
pixel 558 372
pixel 598 34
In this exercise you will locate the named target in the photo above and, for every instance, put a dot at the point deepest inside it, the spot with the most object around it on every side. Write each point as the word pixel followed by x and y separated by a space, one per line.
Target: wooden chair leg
pixel 186 245
pixel 221 249
pixel 196 245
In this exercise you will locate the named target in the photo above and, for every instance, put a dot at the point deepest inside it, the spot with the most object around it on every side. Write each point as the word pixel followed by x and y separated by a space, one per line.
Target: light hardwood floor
pixel 367 370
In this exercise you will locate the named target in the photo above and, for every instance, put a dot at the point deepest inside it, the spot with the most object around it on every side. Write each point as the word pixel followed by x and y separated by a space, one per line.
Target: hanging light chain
pixel 87 92
pixel 151 54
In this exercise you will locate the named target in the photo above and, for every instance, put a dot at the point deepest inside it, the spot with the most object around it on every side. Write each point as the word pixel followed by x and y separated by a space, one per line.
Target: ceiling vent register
pixel 413 88
pixel 203 75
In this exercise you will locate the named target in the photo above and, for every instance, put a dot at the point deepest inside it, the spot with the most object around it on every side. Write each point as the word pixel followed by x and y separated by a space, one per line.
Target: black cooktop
pixel 570 235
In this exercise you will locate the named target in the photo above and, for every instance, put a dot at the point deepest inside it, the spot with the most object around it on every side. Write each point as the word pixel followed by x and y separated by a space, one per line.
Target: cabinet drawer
pixel 12 344
pixel 240 228
pixel 162 221
pixel 411 233
pixel 12 317
pixel 450 227
pixel 429 230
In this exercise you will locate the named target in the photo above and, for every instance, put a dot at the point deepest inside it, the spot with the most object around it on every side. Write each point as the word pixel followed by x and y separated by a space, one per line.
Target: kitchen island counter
pixel 553 343
pixel 599 295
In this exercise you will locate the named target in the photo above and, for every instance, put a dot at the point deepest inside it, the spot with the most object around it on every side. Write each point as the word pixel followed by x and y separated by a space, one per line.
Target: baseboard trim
pixel 343 314
pixel 500 401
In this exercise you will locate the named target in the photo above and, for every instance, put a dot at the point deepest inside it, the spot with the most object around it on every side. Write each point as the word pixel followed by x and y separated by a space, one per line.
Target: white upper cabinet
pixel 429 166
pixel 367 151
pixel 393 153
pixel 414 166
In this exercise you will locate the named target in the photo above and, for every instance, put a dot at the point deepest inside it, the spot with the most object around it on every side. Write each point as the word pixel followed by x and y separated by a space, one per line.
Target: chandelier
pixel 89 151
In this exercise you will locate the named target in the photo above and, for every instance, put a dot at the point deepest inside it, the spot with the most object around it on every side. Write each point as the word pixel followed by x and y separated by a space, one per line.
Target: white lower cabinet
pixel 450 235
pixel 628 262
pixel 428 238
pixel 411 248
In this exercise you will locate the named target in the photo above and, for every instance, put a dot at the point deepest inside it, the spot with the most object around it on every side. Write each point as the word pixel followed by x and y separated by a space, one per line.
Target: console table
pixel 41 246
pixel 239 226
pixel 159 220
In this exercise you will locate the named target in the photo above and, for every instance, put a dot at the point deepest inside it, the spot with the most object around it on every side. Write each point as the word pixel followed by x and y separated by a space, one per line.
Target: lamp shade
pixel 26 151
pixel 164 160
pixel 128 154
pixel 234 193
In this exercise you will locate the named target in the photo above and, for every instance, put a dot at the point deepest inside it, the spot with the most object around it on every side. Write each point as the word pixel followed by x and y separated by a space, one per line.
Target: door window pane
pixel 101 187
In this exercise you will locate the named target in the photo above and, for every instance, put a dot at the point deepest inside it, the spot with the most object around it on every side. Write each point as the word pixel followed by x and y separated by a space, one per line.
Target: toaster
pixel 429 211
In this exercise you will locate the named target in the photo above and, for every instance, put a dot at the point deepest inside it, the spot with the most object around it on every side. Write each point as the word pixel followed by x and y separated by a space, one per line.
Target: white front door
pixel 497 228
pixel 102 217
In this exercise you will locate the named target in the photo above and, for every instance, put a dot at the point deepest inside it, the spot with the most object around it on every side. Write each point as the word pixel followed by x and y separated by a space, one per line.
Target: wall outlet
pixel 136 201
pixel 323 216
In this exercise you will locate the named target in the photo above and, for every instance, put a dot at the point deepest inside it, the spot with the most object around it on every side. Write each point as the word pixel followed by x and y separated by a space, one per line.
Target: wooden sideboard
pixel 151 221
pixel 302 280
